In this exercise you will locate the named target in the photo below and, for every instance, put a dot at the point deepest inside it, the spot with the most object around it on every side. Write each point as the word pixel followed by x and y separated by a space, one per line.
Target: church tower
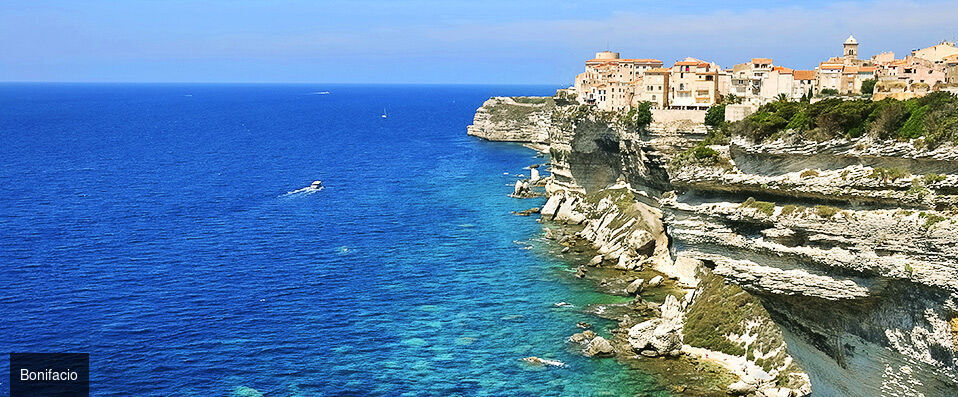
pixel 850 48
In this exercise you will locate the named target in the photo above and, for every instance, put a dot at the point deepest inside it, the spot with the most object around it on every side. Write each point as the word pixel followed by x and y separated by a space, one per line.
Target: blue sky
pixel 425 41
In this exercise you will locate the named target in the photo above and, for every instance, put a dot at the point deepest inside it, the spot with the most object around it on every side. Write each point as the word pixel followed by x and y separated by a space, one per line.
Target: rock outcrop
pixel 513 119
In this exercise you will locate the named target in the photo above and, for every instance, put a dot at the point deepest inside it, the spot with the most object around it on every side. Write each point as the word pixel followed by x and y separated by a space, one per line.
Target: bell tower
pixel 850 48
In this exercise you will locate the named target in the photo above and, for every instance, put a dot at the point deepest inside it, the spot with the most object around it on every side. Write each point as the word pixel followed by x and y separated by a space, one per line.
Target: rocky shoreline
pixel 796 269
pixel 647 332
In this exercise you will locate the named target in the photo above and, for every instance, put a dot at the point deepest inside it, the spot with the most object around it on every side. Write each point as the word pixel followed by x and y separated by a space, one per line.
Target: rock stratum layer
pixel 834 263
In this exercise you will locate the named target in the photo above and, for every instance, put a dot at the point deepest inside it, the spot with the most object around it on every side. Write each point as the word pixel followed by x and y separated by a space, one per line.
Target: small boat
pixel 316 185
pixel 384 113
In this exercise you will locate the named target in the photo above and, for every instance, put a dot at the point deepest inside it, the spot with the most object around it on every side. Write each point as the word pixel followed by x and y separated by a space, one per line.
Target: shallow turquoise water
pixel 150 225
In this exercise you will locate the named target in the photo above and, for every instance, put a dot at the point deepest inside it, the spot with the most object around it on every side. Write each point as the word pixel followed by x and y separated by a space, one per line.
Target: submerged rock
pixel 541 361
pixel 530 211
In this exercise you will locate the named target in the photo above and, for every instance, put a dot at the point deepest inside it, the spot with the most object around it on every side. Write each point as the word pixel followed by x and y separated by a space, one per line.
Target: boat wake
pixel 314 187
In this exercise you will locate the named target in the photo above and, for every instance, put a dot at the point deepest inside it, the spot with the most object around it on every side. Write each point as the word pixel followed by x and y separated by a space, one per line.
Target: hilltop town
pixel 613 83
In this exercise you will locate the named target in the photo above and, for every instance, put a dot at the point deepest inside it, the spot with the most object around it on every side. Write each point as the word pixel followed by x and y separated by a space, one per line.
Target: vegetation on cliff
pixel 723 311
pixel 933 118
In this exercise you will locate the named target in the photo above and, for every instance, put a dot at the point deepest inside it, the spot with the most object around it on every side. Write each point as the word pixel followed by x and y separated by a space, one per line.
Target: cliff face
pixel 838 260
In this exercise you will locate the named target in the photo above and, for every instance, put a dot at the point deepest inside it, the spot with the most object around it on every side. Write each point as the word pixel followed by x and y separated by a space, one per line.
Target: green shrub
pixel 826 211
pixel 918 190
pixel 764 207
pixel 930 219
pixel 929 179
pixel 790 209
pixel 700 154
pixel 888 174
pixel 829 92
pixel 932 118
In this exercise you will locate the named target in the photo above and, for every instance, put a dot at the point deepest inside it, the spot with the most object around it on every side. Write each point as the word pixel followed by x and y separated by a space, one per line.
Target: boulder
pixel 641 241
pixel 599 347
pixel 522 189
pixel 595 261
pixel 655 281
pixel 640 335
pixel 533 175
pixel 661 334
pixel 634 287
pixel 567 212
pixel 552 205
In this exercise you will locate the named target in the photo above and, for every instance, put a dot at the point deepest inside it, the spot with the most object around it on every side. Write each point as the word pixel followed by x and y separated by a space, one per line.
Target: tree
pixel 868 86
pixel 715 116
pixel 731 99
pixel 829 92
pixel 783 97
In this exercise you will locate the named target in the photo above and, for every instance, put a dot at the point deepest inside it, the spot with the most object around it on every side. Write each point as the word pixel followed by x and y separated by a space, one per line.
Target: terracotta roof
pixel 831 66
pixel 803 75
pixel 782 70
pixel 659 70
pixel 703 65
pixel 686 63
pixel 866 69
pixel 761 60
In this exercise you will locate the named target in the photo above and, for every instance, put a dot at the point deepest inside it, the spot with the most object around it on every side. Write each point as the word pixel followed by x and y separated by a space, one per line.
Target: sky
pixel 427 41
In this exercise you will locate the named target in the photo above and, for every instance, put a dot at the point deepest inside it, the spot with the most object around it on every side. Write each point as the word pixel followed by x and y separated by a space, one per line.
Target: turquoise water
pixel 151 226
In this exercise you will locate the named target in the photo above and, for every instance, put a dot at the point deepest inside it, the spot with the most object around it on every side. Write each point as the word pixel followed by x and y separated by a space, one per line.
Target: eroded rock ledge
pixel 834 263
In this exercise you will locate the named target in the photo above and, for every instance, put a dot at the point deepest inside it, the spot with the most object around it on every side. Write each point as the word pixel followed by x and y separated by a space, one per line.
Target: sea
pixel 164 230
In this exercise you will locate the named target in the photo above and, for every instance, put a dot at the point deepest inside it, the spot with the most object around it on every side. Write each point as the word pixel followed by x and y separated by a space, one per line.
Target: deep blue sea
pixel 151 226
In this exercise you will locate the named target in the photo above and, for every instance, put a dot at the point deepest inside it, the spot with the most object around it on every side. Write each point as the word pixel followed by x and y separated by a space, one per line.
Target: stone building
pixel 936 53
pixel 610 82
pixel 759 82
pixel 656 87
pixel 693 84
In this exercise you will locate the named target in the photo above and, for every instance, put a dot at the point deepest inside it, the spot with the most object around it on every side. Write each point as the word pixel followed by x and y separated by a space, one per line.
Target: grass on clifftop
pixel 933 118
pixel 535 100
pixel 507 112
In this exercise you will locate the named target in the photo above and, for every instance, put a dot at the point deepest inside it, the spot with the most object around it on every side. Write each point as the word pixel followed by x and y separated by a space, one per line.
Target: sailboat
pixel 384 113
